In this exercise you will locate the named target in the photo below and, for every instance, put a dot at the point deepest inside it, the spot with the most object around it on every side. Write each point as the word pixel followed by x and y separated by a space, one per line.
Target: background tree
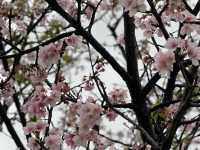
pixel 45 44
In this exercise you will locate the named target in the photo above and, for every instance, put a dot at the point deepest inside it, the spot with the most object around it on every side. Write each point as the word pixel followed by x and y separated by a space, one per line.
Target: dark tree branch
pixel 81 31
pixel 11 44
pixel 93 16
pixel 187 122
pixel 158 18
pixel 194 11
pixel 131 49
pixel 10 128
pixel 18 106
pixel 15 64
pixel 155 44
pixel 128 105
pixel 177 119
pixel 33 25
pixel 184 105
pixel 2 51
pixel 162 105
pixel 171 84
pixel 79 11
pixel 36 48
pixel 50 113
pixel 113 28
pixel 148 87
pixel 145 133
pixel 192 135
pixel 21 114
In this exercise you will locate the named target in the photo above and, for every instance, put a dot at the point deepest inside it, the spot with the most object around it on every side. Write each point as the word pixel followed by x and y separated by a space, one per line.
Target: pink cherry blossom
pixel 148 33
pixel 172 43
pixel 169 112
pixel 89 85
pixel 120 39
pixel 35 74
pixel 89 12
pixel 21 26
pixel 89 116
pixel 111 115
pixel 35 127
pixel 61 86
pixel 7 90
pixel 48 55
pixel 148 24
pixel 56 92
pixel 188 17
pixel 117 95
pixel 164 61
pixel 40 125
pixel 4 26
pixel 29 128
pixel 69 140
pixel 194 54
pixel 33 144
pixel 80 140
pixel 75 140
pixel 73 41
pixel 53 142
pixel 106 5
pixel 56 131
pixel 187 29
pixel 50 100
pixel 112 147
pixel 69 6
pixel 178 4
pixel 34 108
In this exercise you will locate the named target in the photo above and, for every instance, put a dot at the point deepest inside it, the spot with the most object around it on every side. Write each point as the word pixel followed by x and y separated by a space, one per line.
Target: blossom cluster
pixel 48 55
pixel 117 95
pixel 69 6
pixel 149 25
pixel 35 74
pixel 52 141
pixel 164 60
pixel 87 116
pixel 35 106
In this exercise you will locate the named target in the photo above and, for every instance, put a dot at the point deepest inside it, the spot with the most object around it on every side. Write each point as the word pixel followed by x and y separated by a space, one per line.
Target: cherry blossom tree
pixel 152 45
